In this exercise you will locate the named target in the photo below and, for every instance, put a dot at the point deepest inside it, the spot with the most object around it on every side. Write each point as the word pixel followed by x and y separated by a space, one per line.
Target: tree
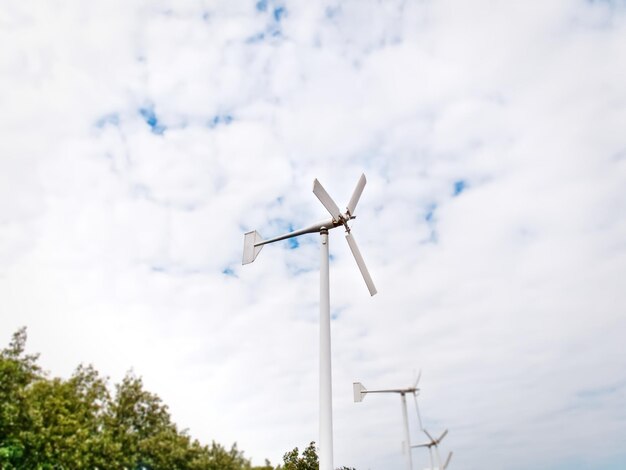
pixel 49 424
pixel 55 424
pixel 66 428
pixel 216 457
pixel 17 372
pixel 308 461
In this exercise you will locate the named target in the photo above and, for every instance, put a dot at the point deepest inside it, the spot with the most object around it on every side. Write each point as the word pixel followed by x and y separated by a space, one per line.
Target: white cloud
pixel 114 239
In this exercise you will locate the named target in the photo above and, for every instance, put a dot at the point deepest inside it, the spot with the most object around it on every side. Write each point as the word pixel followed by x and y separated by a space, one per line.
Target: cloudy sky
pixel 140 139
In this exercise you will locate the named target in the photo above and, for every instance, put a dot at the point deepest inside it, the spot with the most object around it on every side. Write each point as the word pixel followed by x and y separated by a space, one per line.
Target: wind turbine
pixel 435 443
pixel 359 393
pixel 252 245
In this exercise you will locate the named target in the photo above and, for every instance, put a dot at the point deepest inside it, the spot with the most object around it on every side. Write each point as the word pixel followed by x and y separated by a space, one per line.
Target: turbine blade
pixel 445 465
pixel 442 436
pixel 419 417
pixel 356 195
pixel 359 261
pixel 417 380
pixel 432 440
pixel 326 200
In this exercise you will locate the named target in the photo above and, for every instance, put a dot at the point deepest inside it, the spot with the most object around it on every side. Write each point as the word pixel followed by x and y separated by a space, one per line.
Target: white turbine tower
pixel 435 443
pixel 359 393
pixel 252 245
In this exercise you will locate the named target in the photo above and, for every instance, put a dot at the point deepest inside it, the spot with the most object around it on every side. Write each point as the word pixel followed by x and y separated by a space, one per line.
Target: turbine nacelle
pixel 433 441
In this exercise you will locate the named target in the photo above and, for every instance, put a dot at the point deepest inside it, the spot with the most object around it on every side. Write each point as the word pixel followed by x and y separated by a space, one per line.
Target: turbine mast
pixel 326 388
pixel 407 436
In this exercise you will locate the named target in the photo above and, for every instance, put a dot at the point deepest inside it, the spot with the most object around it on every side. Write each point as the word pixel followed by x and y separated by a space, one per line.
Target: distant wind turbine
pixel 359 393
pixel 252 245
pixel 435 443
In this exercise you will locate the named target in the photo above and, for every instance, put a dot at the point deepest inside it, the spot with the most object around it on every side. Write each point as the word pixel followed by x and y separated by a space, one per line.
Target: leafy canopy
pixel 55 424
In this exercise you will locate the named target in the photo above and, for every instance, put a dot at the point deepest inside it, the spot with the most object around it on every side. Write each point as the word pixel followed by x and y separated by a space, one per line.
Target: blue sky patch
pixel 279 12
pixel 430 213
pixel 429 217
pixel 229 272
pixel 149 116
pixel 296 270
pixel 112 119
pixel 331 12
pixel 459 187
pixel 336 313
pixel 219 119
pixel 292 243
pixel 255 38
pixel 272 30
pixel 280 226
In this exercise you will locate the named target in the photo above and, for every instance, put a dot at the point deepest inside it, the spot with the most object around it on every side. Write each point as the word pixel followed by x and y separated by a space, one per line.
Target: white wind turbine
pixel 359 393
pixel 435 443
pixel 432 443
pixel 253 243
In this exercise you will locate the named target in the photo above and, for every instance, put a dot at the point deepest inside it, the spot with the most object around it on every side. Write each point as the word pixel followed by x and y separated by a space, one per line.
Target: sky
pixel 139 141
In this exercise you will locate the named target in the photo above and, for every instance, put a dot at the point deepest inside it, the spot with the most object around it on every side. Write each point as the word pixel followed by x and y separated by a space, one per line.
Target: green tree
pixel 216 457
pixel 50 424
pixel 308 461
pixel 17 372
pixel 66 428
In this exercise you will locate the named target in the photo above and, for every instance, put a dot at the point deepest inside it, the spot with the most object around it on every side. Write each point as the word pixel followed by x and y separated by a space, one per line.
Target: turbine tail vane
pixel 359 391
pixel 250 248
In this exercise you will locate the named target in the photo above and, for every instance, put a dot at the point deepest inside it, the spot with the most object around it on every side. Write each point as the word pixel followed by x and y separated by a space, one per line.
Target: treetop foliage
pixel 51 423
pixel 74 424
